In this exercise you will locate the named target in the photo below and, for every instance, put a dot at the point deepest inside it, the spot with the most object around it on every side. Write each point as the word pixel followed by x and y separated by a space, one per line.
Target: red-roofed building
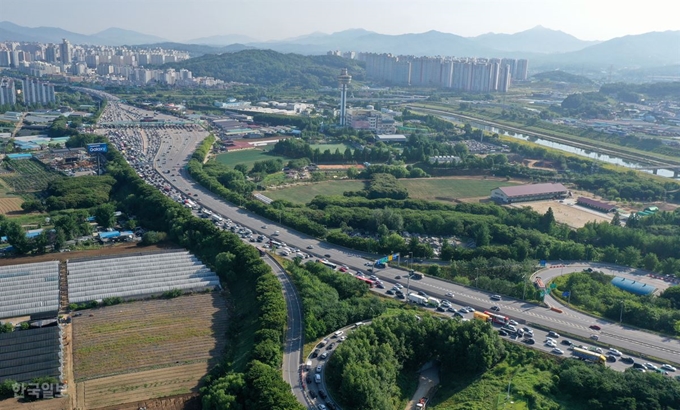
pixel 531 192
pixel 595 204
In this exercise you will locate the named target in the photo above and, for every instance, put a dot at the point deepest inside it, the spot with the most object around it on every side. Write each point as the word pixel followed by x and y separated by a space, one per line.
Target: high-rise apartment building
pixel 37 92
pixel 5 58
pixel 8 92
pixel 521 70
pixel 51 53
pixel 65 51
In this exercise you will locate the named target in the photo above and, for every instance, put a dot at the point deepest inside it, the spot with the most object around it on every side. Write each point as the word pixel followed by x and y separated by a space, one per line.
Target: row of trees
pixel 331 300
pixel 594 292
pixel 365 368
pixel 257 380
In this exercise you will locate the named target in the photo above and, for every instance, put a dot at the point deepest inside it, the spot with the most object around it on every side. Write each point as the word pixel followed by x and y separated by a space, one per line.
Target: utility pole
pixel 621 316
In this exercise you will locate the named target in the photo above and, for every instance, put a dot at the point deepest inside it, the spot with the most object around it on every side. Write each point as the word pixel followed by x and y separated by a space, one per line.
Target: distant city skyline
pixel 266 20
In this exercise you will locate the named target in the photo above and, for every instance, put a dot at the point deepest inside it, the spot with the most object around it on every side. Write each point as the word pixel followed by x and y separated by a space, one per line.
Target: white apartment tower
pixel 37 92
pixel 8 93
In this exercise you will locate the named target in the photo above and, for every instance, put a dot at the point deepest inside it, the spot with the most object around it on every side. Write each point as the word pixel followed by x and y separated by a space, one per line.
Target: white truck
pixel 434 302
pixel 421 300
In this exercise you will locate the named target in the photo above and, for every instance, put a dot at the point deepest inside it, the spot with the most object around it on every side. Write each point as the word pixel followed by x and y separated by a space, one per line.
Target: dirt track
pixel 118 249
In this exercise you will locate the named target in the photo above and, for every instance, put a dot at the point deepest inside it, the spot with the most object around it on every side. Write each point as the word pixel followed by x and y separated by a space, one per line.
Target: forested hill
pixel 269 68
pixel 562 76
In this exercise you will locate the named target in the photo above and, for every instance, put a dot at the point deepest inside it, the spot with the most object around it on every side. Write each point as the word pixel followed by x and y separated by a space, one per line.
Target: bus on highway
pixel 370 283
pixel 327 263
pixel 496 318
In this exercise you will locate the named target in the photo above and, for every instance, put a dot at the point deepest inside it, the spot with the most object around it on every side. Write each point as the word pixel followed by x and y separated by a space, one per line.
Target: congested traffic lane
pixel 570 321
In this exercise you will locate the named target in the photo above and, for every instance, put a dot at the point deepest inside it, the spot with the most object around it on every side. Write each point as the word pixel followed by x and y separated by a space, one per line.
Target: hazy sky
pixel 276 19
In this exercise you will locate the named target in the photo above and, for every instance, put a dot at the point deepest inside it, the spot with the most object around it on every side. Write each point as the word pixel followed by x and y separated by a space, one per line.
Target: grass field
pixel 448 189
pixel 305 193
pixel 147 335
pixel 247 156
pixel 433 189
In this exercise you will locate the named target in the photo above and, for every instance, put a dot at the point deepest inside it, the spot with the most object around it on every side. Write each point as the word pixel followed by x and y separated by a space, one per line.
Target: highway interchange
pixel 173 153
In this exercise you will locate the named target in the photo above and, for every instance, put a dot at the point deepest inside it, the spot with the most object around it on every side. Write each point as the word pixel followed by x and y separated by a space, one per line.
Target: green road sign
pixel 553 285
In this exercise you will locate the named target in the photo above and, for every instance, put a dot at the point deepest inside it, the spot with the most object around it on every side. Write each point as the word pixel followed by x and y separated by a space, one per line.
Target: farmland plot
pixel 27 176
pixel 146 335
pixel 133 387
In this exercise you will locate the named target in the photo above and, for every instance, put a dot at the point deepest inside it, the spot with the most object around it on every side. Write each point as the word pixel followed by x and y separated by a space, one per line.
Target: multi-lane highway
pixel 569 321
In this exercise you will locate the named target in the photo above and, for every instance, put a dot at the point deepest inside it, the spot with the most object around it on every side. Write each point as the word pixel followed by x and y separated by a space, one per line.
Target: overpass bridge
pixel 655 169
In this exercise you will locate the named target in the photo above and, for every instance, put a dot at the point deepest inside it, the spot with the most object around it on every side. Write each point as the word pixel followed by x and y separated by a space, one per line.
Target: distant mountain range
pixel 546 48
pixel 109 37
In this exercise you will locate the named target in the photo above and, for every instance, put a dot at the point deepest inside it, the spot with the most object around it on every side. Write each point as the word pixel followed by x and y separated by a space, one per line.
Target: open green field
pixel 305 193
pixel 433 189
pixel 247 156
pixel 448 189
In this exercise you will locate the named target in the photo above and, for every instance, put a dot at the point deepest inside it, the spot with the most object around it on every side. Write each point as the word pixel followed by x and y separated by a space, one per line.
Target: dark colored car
pixel 330 406
pixel 390 292
pixel 595 327
pixel 315 353
pixel 330 346
pixel 638 366
pixel 441 309
pixel 397 277
pixel 400 296
pixel 328 255
pixel 566 342
pixel 611 358
pixel 495 308
pixel 322 394
pixel 628 360
pixel 309 380
pixel 529 341
pixel 502 332
pixel 312 393
pixel 553 334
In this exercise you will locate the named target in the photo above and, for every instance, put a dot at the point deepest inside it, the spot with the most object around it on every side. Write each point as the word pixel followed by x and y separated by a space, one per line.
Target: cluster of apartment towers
pixel 465 74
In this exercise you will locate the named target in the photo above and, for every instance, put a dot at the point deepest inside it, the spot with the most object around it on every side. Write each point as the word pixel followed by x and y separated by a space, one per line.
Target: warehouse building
pixel 595 204
pixel 533 192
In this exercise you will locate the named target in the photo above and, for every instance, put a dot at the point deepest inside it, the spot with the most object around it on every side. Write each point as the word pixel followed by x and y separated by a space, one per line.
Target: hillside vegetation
pixel 269 68
pixel 562 77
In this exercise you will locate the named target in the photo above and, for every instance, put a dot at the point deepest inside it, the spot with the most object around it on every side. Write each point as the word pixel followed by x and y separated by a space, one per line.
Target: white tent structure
pixel 29 289
pixel 135 276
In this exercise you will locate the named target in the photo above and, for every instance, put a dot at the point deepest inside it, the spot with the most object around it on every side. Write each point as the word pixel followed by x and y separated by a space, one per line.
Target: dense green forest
pixel 272 69
pixel 562 77
pixel 364 371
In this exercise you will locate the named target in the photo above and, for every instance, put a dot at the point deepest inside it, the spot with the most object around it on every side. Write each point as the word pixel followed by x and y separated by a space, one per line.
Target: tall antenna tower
pixel 343 80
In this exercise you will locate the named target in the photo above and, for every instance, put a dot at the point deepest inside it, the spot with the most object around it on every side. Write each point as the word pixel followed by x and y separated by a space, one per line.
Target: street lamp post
pixel 410 272
pixel 621 316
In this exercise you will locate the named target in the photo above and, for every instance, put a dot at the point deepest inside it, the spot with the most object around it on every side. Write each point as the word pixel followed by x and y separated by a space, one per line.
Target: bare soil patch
pixel 573 216
pixel 143 387
pixel 9 205
pixel 51 404
pixel 148 335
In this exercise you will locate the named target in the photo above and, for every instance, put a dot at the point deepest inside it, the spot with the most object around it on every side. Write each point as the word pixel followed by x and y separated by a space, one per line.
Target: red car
pixel 595 327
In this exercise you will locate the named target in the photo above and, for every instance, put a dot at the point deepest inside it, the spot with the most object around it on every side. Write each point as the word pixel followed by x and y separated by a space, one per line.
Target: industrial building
pixel 595 204
pixel 391 138
pixel 533 192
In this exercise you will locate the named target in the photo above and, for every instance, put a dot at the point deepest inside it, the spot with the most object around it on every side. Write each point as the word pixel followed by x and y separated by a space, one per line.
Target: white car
pixel 550 343
pixel 557 351
pixel 668 367
pixel 650 366
pixel 449 294
pixel 399 285
pixel 614 352
pixel 513 322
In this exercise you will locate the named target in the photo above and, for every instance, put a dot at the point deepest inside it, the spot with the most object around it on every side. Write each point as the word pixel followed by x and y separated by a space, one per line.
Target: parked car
pixel 530 341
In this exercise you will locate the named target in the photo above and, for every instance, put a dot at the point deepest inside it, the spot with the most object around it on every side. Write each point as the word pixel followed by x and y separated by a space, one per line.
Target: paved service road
pixel 666 348
pixel 292 351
